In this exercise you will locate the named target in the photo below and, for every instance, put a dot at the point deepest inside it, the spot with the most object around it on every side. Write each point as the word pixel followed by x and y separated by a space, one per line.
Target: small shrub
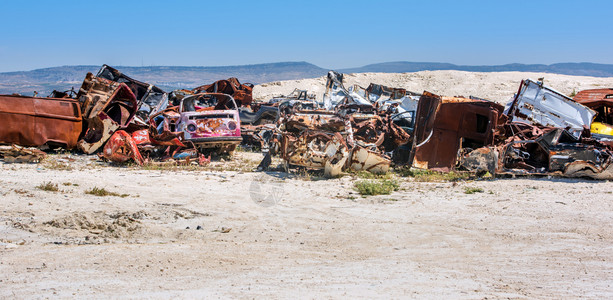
pixel 368 175
pixel 48 186
pixel 53 164
pixel 20 191
pixel 429 175
pixel 376 187
pixel 472 190
pixel 101 192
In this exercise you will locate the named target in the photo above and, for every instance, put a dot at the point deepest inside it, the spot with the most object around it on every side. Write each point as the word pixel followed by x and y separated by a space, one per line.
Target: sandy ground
pixel 273 235
pixel 495 86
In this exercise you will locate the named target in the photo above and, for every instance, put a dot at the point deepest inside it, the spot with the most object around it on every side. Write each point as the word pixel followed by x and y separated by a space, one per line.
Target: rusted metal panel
pixel 99 129
pixel 34 122
pixel 326 140
pixel 481 160
pixel 337 154
pixel 316 149
pixel 107 106
pixel 114 99
pixel 323 120
pixel 150 98
pixel 445 125
pixel 591 95
pixel 121 148
pixel 601 101
pixel 425 118
pixel 368 160
pixel 242 93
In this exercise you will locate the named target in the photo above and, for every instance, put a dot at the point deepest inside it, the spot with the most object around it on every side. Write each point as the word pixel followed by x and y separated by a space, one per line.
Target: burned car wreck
pixel 542 133
pixel 447 126
pixel 349 135
pixel 539 132
pixel 106 106
pixel 124 119
pixel 150 98
pixel 328 141
pixel 206 120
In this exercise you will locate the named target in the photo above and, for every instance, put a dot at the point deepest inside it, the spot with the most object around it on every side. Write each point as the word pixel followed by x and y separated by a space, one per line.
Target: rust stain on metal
pixel 242 93
pixel 34 122
pixel 121 148
pixel 445 125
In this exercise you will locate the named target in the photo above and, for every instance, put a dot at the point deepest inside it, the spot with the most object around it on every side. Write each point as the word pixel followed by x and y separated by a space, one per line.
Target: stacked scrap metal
pixel 540 131
pixel 124 119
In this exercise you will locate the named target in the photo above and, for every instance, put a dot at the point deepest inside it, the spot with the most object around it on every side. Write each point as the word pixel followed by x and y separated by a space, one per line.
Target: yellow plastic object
pixel 601 128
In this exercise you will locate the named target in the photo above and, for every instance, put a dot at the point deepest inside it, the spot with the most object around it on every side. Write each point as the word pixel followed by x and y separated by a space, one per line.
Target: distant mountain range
pixel 579 69
pixel 174 77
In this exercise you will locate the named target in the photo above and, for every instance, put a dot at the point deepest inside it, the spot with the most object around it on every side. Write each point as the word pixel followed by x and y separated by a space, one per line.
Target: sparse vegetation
pixel 371 187
pixel 20 191
pixel 101 192
pixel 306 174
pixel 369 175
pixel 48 186
pixel 429 175
pixel 472 190
pixel 53 164
pixel 235 163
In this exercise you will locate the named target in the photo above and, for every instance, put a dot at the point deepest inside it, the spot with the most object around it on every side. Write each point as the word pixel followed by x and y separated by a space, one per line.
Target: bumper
pixel 215 142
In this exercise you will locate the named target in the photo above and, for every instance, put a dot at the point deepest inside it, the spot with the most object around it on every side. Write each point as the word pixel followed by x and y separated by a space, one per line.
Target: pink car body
pixel 210 121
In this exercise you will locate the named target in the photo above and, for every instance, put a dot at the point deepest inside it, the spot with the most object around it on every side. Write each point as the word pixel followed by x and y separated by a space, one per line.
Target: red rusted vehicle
pixel 36 122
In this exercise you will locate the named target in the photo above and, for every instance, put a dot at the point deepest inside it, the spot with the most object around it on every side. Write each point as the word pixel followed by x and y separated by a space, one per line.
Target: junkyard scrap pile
pixel 540 131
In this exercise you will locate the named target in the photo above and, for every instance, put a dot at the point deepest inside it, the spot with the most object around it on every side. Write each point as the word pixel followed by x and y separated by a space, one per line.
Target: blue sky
pixel 330 34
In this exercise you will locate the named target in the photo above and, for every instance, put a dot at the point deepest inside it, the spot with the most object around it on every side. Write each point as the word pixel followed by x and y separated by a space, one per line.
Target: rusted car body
pixel 210 121
pixel 556 150
pixel 447 125
pixel 242 93
pixel 258 122
pixel 398 103
pixel 537 104
pixel 36 122
pixel 316 149
pixel 474 135
pixel 326 140
pixel 150 98
pixel 534 150
pixel 106 106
